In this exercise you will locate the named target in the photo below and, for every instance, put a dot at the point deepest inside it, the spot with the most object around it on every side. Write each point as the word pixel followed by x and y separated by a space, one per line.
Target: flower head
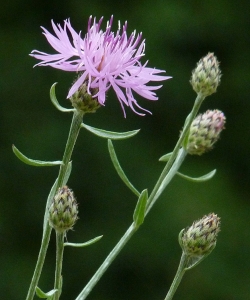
pixel 104 59
pixel 200 238
pixel 63 210
pixel 206 76
pixel 205 131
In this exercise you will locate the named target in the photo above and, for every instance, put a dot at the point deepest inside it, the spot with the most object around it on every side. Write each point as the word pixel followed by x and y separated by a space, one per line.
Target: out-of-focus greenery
pixel 178 34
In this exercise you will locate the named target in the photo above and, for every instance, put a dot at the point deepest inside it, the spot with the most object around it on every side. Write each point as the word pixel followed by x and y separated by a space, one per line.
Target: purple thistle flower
pixel 104 59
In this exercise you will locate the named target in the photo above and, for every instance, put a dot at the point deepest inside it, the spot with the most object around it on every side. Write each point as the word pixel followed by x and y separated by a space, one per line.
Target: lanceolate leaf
pixel 119 169
pixel 33 162
pixel 198 179
pixel 88 243
pixel 55 102
pixel 140 208
pixel 110 134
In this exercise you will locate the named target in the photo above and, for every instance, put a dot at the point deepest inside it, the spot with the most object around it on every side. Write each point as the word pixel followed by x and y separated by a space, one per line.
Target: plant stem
pixel 107 262
pixel 167 174
pixel 178 277
pixel 128 234
pixel 59 260
pixel 73 133
pixel 179 274
pixel 162 183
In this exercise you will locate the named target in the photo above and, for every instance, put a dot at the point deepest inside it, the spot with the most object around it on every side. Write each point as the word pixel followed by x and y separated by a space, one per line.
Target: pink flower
pixel 104 59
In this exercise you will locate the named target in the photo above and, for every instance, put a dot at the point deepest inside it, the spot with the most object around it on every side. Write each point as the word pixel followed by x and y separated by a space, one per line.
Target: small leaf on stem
pixel 43 295
pixel 33 162
pixel 55 102
pixel 166 157
pixel 119 169
pixel 88 243
pixel 198 179
pixel 110 134
pixel 139 213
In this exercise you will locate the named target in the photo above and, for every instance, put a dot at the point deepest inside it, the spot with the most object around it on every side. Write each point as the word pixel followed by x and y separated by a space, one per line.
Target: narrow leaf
pixel 33 162
pixel 198 179
pixel 119 169
pixel 55 102
pixel 90 242
pixel 166 157
pixel 140 208
pixel 43 295
pixel 110 134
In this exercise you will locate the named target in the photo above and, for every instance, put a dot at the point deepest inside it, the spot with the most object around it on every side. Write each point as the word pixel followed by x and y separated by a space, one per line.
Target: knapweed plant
pixel 104 60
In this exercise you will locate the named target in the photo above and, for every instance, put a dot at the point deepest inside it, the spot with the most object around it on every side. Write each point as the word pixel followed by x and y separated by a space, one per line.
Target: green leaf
pixel 55 102
pixel 88 243
pixel 198 179
pixel 33 162
pixel 119 169
pixel 110 134
pixel 43 295
pixel 139 213
pixel 166 157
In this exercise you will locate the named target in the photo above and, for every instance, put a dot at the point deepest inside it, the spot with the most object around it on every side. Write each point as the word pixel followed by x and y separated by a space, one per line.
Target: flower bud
pixel 84 101
pixel 205 131
pixel 200 238
pixel 63 210
pixel 206 76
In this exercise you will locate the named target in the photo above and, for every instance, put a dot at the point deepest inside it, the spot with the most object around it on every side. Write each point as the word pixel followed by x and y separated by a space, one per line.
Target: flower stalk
pixel 59 261
pixel 178 277
pixel 72 137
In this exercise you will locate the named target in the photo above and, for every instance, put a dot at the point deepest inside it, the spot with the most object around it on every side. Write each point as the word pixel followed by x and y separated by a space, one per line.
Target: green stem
pixel 107 262
pixel 160 186
pixel 178 277
pixel 73 133
pixel 128 234
pixel 167 174
pixel 59 260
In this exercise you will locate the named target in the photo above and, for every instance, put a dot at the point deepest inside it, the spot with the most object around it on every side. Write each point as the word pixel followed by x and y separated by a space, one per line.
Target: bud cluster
pixel 63 210
pixel 200 238
pixel 205 131
pixel 206 76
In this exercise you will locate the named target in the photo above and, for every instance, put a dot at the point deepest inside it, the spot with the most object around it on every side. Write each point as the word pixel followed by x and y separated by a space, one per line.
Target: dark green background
pixel 178 34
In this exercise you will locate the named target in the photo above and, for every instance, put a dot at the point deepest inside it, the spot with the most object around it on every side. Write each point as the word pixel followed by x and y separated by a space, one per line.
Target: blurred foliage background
pixel 178 34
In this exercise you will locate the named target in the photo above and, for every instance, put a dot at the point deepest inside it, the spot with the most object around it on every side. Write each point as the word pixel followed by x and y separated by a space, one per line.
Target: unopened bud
pixel 206 76
pixel 200 238
pixel 205 131
pixel 63 210
pixel 84 101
